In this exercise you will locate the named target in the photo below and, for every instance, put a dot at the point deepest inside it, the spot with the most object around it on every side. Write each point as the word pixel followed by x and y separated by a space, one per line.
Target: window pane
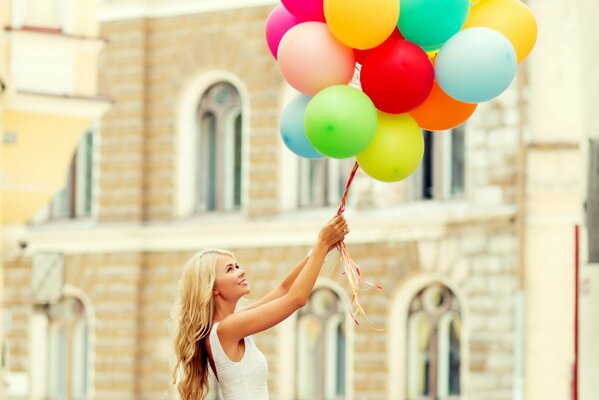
pixel 427 167
pixel 57 359
pixel 340 361
pixel 433 345
pixel 309 354
pixel 321 359
pixel 313 182
pixel 89 168
pixel 220 153
pixel 237 170
pixel 457 161
pixel 419 345
pixel 454 357
pixel 207 163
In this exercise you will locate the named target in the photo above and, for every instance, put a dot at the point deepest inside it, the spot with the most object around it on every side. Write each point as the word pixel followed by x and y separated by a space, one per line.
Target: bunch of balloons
pixel 424 64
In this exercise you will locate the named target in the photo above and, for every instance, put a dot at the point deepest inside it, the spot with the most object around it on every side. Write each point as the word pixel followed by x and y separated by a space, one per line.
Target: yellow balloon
pixel 396 150
pixel 512 18
pixel 361 24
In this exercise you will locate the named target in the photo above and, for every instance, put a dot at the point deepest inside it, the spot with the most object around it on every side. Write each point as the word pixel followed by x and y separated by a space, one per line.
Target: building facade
pixel 189 156
pixel 48 99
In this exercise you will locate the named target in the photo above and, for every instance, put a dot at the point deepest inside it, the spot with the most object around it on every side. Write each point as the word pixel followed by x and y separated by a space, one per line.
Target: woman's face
pixel 230 281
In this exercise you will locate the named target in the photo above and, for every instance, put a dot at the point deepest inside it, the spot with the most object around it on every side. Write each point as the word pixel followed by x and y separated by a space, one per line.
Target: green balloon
pixel 340 121
pixel 430 23
pixel 396 150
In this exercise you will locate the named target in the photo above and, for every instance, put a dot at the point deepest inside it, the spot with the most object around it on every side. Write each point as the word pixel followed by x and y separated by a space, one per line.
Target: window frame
pixel 438 165
pixel 215 192
pixel 287 342
pixel 397 337
pixel 73 202
pixel 39 345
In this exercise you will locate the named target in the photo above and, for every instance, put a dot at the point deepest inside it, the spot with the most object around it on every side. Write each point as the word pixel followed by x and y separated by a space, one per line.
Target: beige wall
pixel 129 269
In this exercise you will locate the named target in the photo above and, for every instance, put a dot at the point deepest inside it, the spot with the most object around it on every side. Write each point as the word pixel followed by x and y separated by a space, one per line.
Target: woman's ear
pixel 215 292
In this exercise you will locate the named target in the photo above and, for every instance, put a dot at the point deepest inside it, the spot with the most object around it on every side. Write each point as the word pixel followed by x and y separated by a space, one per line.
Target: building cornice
pixel 74 106
pixel 408 223
pixel 117 10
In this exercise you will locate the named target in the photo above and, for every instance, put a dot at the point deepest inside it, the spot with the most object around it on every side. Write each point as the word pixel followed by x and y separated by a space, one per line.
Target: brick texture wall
pixel 144 67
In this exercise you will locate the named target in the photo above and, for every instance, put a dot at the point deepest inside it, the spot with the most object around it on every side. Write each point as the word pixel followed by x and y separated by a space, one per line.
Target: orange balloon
pixel 441 111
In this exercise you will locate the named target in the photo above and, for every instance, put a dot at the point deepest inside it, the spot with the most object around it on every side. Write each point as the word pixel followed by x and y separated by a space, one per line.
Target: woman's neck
pixel 223 309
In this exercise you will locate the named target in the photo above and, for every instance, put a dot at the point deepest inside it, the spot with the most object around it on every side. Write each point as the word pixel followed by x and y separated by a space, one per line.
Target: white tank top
pixel 242 380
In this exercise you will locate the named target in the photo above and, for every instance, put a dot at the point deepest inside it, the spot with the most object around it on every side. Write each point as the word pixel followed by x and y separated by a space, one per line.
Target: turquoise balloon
pixel 340 121
pixel 430 23
pixel 476 65
pixel 292 128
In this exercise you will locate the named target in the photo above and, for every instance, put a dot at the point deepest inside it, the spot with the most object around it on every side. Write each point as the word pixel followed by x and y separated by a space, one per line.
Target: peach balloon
pixel 512 18
pixel 311 58
pixel 440 111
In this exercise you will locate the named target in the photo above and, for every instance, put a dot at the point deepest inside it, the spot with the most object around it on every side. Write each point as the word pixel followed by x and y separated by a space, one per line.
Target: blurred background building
pixel 476 251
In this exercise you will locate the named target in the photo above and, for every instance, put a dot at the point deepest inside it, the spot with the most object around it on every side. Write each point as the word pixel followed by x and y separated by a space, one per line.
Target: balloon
pixel 512 18
pixel 475 65
pixel 397 76
pixel 362 54
pixel 361 24
pixel 441 111
pixel 429 23
pixel 340 121
pixel 292 128
pixel 396 150
pixel 306 10
pixel 311 59
pixel 278 23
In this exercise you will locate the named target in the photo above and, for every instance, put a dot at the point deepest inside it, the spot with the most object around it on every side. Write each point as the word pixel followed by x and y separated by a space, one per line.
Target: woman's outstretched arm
pixel 247 322
pixel 283 287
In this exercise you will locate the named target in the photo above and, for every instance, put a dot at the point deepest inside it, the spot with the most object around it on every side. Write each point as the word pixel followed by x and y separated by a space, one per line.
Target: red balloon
pixel 362 54
pixel 397 76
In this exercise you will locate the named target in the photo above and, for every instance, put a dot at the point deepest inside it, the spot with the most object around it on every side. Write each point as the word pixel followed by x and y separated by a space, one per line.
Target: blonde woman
pixel 210 331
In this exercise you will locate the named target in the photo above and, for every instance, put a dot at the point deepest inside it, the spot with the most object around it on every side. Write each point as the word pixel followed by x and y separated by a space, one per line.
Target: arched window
pixel 433 348
pixel 219 149
pixel 67 349
pixel 321 338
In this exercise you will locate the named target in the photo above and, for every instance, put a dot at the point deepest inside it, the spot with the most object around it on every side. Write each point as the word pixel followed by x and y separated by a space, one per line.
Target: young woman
pixel 211 332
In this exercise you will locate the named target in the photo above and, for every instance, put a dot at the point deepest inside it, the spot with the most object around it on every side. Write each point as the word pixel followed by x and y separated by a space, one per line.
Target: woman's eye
pixel 237 266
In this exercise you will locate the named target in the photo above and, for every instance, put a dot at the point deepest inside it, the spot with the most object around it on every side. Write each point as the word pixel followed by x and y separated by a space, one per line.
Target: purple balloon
pixel 278 23
pixel 306 10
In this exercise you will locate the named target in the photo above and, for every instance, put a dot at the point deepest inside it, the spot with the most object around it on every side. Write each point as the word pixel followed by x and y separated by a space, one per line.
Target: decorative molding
pixel 410 223
pixel 116 10
pixel 187 128
pixel 288 345
pixel 84 107
pixel 550 146
pixel 397 334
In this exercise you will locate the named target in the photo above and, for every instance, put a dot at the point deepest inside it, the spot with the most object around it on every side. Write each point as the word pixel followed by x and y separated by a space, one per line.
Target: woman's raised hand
pixel 333 232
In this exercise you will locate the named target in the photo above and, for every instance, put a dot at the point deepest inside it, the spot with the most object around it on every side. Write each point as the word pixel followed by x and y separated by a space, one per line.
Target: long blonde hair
pixel 193 321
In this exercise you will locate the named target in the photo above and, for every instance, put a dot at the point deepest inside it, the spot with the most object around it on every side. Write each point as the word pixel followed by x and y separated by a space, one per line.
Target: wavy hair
pixel 193 321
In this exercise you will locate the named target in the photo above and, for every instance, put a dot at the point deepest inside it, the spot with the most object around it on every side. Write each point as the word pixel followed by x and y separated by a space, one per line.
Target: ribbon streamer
pixel 351 269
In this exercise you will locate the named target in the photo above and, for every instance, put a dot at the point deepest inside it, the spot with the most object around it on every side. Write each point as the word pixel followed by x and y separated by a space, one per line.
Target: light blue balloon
pixel 430 23
pixel 476 65
pixel 292 128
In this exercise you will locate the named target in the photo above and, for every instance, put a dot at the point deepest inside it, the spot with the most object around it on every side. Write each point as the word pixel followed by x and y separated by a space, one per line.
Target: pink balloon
pixel 311 58
pixel 306 10
pixel 278 23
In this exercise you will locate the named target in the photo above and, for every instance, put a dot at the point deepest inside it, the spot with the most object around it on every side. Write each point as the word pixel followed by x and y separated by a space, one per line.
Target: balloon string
pixel 351 269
